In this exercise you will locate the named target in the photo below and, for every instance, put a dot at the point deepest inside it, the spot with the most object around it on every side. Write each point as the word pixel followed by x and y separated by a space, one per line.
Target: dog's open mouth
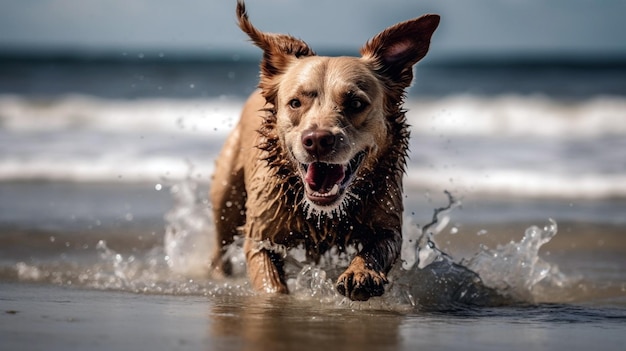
pixel 326 182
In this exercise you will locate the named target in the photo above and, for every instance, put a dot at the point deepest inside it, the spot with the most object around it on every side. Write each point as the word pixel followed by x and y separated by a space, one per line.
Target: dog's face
pixel 333 113
pixel 330 118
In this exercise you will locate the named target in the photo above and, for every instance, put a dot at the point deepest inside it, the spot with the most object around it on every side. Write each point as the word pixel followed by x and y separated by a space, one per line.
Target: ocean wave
pixel 519 182
pixel 460 114
pixel 462 181
pixel 18 113
pixel 523 146
pixel 518 115
pixel 106 169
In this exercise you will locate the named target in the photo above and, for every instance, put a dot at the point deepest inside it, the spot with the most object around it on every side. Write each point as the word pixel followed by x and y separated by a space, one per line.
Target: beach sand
pixel 35 317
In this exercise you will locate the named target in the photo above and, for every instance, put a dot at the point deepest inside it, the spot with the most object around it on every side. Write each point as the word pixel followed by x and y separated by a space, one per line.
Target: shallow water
pixel 104 224
pixel 84 271
pixel 158 243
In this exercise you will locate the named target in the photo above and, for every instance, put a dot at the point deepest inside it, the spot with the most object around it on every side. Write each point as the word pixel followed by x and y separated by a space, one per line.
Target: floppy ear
pixel 279 50
pixel 395 50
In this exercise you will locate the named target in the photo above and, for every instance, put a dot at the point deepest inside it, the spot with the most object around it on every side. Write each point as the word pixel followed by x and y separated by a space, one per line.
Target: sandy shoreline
pixel 36 317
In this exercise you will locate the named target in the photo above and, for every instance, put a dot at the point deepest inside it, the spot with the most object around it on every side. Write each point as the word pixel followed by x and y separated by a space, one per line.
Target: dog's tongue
pixel 321 177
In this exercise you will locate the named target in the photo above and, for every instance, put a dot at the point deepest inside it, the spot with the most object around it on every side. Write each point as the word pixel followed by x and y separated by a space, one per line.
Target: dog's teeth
pixel 334 191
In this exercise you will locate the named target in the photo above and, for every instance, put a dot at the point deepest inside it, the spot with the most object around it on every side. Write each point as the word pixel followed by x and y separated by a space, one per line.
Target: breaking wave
pixel 521 145
pixel 506 115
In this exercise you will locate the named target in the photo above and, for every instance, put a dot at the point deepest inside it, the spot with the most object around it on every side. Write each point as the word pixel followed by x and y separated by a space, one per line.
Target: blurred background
pixel 481 28
pixel 517 99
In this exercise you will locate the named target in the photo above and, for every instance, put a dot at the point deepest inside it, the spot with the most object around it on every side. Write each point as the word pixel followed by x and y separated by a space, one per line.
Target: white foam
pixel 460 114
pixel 206 116
pixel 515 115
pixel 519 182
pixel 104 170
pixel 520 145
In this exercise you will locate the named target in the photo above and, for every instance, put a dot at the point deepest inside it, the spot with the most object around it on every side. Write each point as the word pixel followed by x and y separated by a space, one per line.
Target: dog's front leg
pixel 265 268
pixel 366 275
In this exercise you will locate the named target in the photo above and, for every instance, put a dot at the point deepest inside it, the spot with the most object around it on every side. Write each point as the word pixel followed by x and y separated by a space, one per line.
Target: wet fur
pixel 258 189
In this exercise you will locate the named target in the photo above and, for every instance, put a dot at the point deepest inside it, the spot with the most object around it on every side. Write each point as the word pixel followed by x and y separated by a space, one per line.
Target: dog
pixel 318 156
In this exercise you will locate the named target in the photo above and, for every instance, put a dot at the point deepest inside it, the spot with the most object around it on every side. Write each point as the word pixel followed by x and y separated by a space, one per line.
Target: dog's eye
pixel 295 103
pixel 355 105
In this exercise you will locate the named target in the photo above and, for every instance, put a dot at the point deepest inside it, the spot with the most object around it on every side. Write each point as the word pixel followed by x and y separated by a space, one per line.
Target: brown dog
pixel 318 156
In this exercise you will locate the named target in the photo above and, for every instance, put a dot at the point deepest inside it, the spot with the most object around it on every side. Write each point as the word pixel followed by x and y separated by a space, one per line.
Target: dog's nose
pixel 318 143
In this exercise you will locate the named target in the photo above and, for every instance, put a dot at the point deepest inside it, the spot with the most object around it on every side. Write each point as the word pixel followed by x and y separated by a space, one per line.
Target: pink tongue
pixel 321 177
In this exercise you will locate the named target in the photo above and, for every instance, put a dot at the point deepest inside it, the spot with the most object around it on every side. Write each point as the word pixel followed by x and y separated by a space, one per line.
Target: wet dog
pixel 318 156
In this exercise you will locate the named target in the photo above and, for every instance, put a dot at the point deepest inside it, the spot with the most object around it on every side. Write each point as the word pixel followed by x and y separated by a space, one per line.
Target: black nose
pixel 318 143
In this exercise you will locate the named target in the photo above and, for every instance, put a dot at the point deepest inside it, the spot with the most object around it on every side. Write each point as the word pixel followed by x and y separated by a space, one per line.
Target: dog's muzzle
pixel 325 183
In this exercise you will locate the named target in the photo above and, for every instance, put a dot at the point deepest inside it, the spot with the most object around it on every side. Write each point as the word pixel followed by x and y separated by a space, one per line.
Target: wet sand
pixel 35 317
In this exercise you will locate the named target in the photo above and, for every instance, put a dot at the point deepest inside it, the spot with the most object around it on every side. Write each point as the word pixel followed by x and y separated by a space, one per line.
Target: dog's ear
pixel 278 49
pixel 395 50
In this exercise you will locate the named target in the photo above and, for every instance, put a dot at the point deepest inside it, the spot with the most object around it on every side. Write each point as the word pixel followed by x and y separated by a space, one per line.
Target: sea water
pixel 425 277
pixel 531 153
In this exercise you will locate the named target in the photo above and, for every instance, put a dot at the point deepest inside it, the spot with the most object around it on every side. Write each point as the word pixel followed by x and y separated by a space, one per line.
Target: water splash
pixel 429 278
pixel 426 278
pixel 418 246
pixel 187 239
pixel 511 273
pixel 517 270
pixel 313 283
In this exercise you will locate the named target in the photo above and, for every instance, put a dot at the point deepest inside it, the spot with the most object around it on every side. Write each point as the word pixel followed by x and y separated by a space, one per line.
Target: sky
pixel 468 27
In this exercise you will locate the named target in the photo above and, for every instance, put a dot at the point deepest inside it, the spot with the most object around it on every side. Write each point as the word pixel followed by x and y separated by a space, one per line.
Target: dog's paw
pixel 359 282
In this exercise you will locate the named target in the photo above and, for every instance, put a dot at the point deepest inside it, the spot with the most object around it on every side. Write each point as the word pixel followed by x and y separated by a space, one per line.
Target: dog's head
pixel 333 114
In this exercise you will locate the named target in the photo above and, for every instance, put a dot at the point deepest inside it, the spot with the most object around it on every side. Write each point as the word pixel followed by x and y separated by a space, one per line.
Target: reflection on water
pixel 277 322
